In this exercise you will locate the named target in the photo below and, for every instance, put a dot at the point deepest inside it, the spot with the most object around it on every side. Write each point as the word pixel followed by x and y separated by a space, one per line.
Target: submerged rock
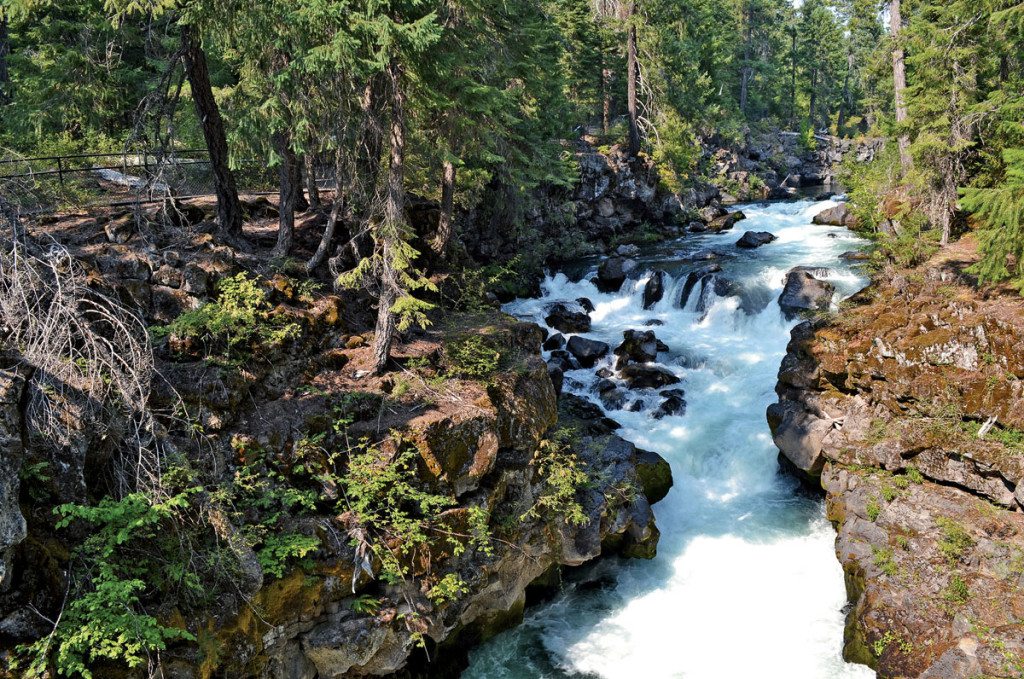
pixel 587 351
pixel 638 346
pixel 755 239
pixel 654 290
pixel 641 376
pixel 612 273
pixel 701 276
pixel 565 319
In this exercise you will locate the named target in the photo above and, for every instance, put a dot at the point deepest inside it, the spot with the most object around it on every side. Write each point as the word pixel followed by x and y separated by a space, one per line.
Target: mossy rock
pixel 654 474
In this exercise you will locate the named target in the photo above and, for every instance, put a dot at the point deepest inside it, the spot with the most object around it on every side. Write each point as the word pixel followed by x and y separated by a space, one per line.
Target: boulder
pixel 755 239
pixel 726 222
pixel 642 376
pixel 674 403
pixel 614 399
pixel 654 474
pixel 803 292
pixel 798 434
pixel 563 360
pixel 557 377
pixel 556 341
pixel 638 346
pixel 697 276
pixel 587 351
pixel 840 215
pixel 654 290
pixel 612 273
pixel 585 303
pixel 565 319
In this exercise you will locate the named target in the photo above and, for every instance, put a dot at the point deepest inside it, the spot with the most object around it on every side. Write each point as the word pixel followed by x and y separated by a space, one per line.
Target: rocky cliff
pixel 526 485
pixel 908 410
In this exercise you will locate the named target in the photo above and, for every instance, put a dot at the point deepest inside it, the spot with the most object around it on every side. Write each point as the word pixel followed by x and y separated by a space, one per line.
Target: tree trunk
pixel 814 98
pixel 393 226
pixel 328 236
pixel 846 104
pixel 631 79
pixel 301 204
pixel 446 219
pixel 5 49
pixel 606 99
pixel 899 81
pixel 229 209
pixel 746 71
pixel 288 197
pixel 311 188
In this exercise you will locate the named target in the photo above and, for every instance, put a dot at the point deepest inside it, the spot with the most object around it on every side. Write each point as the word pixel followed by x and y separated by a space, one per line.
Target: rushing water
pixel 746 583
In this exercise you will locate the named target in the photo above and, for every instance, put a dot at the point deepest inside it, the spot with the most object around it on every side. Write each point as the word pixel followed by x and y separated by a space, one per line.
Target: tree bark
pixel 814 98
pixel 229 209
pixel 606 99
pixel 393 223
pixel 311 187
pixel 289 194
pixel 846 104
pixel 5 49
pixel 445 221
pixel 631 79
pixel 301 204
pixel 328 236
pixel 899 81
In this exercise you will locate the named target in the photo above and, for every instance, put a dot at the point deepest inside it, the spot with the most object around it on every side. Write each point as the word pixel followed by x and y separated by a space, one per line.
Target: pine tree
pixel 1000 210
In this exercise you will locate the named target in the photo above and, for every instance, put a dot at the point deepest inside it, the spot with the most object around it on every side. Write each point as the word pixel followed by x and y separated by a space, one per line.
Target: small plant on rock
pixel 237 323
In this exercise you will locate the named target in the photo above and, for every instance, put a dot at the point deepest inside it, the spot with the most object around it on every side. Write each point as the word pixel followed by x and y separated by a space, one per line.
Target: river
pixel 746 583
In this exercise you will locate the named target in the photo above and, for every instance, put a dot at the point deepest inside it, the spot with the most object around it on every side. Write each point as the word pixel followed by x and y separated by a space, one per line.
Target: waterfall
pixel 746 583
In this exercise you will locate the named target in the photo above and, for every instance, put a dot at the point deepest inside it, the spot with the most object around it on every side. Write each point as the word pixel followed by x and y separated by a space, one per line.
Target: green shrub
pixel 883 560
pixel 236 323
pixel 472 356
pixel 564 476
pixel 397 517
pixel 873 508
pixel 956 592
pixel 448 589
pixel 104 619
pixel 955 541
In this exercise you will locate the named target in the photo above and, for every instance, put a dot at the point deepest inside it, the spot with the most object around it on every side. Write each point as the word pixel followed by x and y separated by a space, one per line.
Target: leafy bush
pixel 237 322
pixel 564 476
pixel 104 619
pixel 955 541
pixel 396 517
pixel 472 356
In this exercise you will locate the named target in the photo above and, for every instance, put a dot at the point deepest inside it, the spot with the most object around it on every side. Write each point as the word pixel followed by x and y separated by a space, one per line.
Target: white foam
pixel 746 583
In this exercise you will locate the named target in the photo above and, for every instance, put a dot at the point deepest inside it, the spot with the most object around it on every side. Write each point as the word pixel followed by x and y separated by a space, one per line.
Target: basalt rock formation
pixel 908 410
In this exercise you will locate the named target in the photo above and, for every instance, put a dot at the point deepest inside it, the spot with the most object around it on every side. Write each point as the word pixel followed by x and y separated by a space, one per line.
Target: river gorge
pixel 746 582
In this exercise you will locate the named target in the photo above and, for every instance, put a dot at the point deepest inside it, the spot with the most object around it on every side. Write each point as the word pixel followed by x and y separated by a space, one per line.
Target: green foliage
pixel 880 645
pixel 564 477
pixel 280 550
pixel 955 542
pixel 914 474
pixel 883 561
pixel 956 592
pixel 237 323
pixel 472 356
pixel 104 619
pixel 447 590
pixel 873 508
pixel 1000 213
pixel 398 518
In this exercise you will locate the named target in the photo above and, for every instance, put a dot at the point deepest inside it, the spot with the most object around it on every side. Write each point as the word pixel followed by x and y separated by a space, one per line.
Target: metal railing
pixel 48 183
